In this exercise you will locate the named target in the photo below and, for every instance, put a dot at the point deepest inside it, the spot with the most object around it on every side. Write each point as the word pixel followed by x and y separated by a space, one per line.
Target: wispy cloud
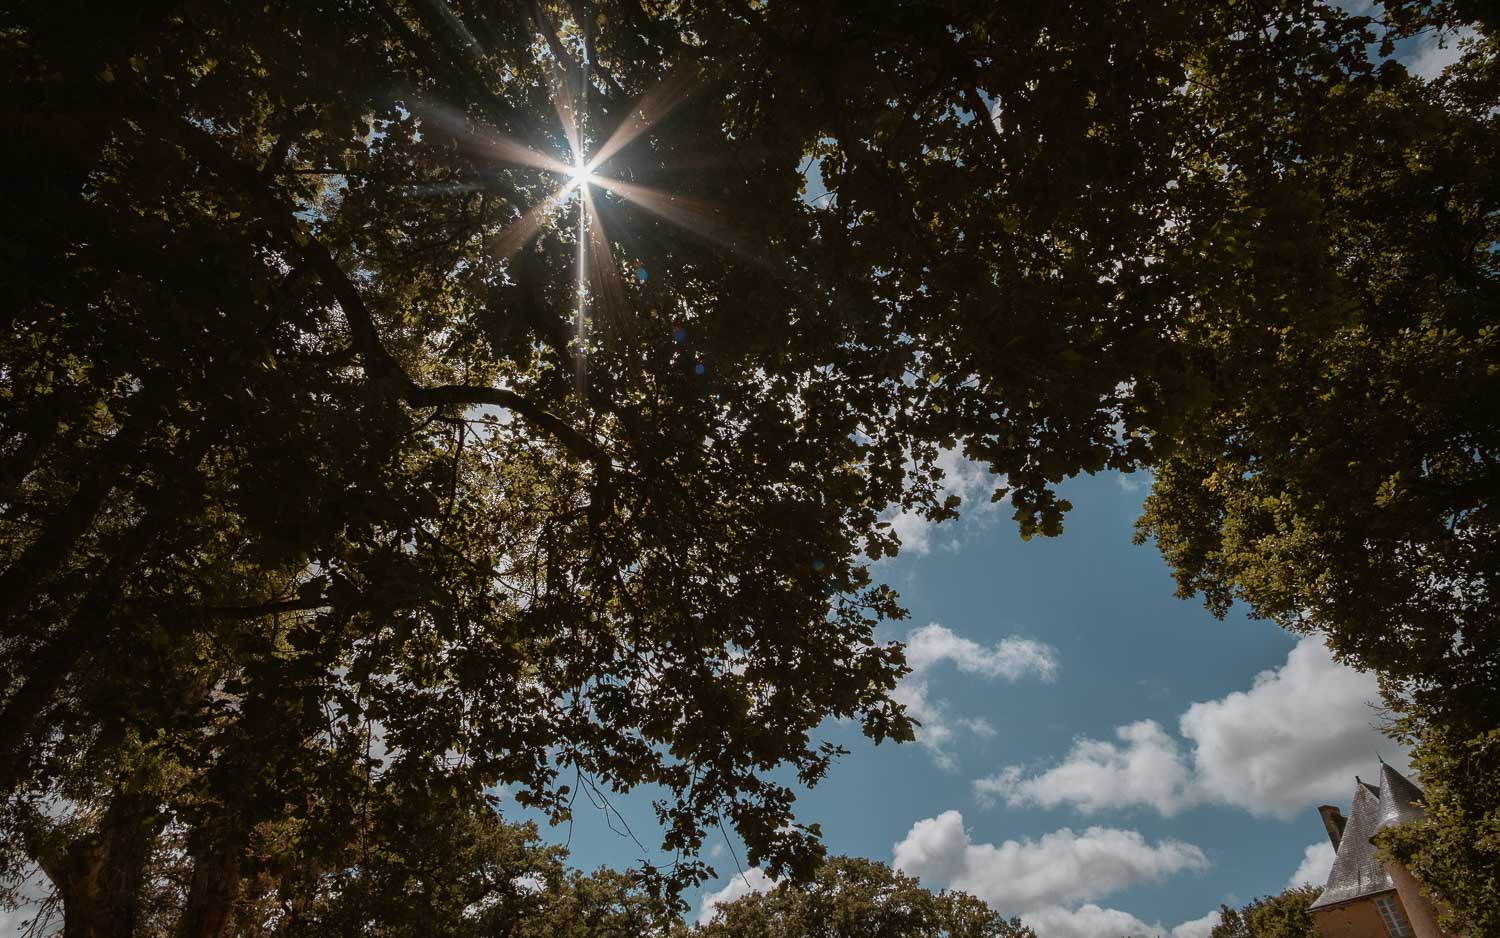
pixel 934 645
pixel 1134 482
pixel 1436 52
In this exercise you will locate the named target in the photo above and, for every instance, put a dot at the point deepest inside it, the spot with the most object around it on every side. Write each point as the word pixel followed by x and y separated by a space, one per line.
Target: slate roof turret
pixel 1400 800
pixel 1357 871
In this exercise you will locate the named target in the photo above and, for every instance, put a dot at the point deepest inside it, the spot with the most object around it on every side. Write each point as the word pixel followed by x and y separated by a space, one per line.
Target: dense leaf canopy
pixel 1284 915
pixel 343 467
pixel 854 898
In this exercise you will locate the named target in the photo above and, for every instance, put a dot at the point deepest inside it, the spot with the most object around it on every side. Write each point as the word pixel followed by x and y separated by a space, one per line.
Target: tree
pixel 256 517
pixel 319 466
pixel 1281 916
pixel 436 863
pixel 1339 475
pixel 856 897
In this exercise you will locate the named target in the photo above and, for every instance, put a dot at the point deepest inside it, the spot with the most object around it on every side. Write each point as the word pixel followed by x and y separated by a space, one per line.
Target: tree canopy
pixel 1340 476
pixel 409 398
pixel 856 898
pixel 1284 915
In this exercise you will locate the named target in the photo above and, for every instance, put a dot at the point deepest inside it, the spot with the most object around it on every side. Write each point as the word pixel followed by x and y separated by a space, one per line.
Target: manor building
pixel 1365 898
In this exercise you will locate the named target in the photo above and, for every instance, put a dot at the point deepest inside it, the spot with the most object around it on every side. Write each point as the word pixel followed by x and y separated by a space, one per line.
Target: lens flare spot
pixel 679 334
pixel 582 174
pixel 641 274
pixel 698 369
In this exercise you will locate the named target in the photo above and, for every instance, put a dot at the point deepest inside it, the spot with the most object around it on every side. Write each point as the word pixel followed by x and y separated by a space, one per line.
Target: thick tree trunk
pixel 212 893
pixel 100 877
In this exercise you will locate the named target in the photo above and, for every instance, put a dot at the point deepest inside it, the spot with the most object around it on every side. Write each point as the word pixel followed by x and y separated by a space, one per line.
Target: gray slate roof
pixel 1357 871
pixel 1400 800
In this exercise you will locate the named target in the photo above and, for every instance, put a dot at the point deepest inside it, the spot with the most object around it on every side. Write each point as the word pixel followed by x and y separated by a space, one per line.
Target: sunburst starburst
pixel 599 279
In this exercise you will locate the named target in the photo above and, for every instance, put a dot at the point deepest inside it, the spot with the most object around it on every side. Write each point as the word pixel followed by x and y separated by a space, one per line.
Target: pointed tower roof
pixel 1400 800
pixel 1357 871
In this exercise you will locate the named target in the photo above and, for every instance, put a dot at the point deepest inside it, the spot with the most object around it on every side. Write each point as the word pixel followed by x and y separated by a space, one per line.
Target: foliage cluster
pixel 1281 916
pixel 856 898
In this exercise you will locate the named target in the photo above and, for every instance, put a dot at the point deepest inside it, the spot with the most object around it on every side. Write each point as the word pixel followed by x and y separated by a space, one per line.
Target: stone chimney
pixel 1333 822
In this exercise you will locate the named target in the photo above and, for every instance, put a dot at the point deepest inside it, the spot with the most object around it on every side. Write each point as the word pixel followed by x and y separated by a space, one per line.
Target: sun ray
pixel 564 102
pixel 609 286
pixel 649 110
pixel 599 290
pixel 705 219
pixel 580 323
pixel 487 144
pixel 519 232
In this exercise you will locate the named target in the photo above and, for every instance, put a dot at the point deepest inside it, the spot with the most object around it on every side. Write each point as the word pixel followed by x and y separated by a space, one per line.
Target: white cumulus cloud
pixel 1146 767
pixel 1198 927
pixel 1092 921
pixel 753 880
pixel 1087 921
pixel 1317 860
pixel 1011 658
pixel 1297 737
pixel 933 645
pixel 1059 868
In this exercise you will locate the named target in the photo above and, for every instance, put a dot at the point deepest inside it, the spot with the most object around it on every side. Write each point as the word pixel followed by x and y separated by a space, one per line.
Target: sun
pixel 599 280
pixel 581 174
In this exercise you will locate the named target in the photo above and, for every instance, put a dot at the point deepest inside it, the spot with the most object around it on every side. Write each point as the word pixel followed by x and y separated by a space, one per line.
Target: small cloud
pixel 1436 52
pixel 1086 921
pixel 1011 658
pixel 1145 767
pixel 1154 688
pixel 530 882
pixel 976 725
pixel 1091 921
pixel 753 880
pixel 1317 860
pixel 1198 927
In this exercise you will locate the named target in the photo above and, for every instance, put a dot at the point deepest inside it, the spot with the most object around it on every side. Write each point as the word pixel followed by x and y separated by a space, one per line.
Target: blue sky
pixel 1033 656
